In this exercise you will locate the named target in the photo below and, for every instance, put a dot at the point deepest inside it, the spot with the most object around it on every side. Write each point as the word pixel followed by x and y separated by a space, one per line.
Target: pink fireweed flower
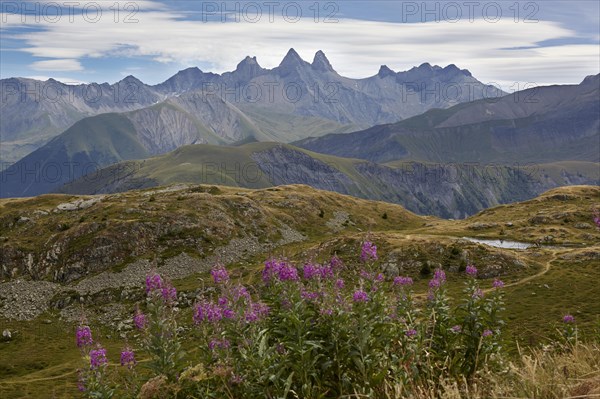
pixel 434 283
pixel 128 358
pixel 339 284
pixel 487 333
pixel 139 320
pixel 478 294
pixel 326 272
pixel 439 275
pixel 310 296
pixel 288 273
pixel 207 312
pixel 270 269
pixel 439 278
pixel 366 275
pixel 280 270
pixel 98 358
pixel 456 329
pixel 568 319
pixel 222 301
pixel 228 314
pixel 368 251
pixel 153 282
pixel 84 336
pixel 240 292
pixel 403 281
pixel 219 274
pixel 360 296
pixel 498 284
pixel 471 270
pixel 311 271
pixel 169 294
pixel 256 311
pixel 336 263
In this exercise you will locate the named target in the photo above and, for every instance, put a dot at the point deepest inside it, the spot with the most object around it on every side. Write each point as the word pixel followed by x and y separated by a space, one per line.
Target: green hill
pixel 451 191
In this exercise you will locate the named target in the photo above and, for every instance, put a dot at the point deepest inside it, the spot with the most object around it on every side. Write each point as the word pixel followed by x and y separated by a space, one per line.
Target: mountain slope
pixel 452 191
pixel 33 112
pixel 89 144
pixel 545 124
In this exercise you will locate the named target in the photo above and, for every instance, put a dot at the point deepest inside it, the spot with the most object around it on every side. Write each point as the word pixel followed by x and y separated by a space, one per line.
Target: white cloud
pixel 68 81
pixel 356 48
pixel 57 65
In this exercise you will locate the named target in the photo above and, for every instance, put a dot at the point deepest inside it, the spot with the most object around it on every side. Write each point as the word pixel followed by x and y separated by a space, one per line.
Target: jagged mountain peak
pixel 189 71
pixel 249 60
pixel 292 58
pixel 248 64
pixel 384 71
pixel 592 79
pixel 321 63
pixel 130 78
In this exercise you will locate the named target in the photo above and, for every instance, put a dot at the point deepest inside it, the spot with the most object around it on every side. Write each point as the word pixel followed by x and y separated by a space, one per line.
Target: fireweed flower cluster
pixel 158 326
pixel 154 282
pixel 255 312
pixel 156 285
pixel 169 294
pixel 438 280
pixel 568 319
pixel 235 302
pixel 91 377
pixel 279 269
pixel 368 251
pixel 219 274
pixel 336 263
pixel 139 320
pixel 440 276
pixel 98 358
pixel 360 296
pixel 471 270
pixel 128 358
pixel 498 284
pixel 402 281
pixel 207 312
pixel 299 328
pixel 311 271
pixel 83 336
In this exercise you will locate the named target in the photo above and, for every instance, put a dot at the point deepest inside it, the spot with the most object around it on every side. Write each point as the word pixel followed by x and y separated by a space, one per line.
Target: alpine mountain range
pixel 433 139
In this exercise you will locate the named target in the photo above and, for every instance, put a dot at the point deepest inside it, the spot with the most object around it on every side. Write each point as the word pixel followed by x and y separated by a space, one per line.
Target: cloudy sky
pixel 505 42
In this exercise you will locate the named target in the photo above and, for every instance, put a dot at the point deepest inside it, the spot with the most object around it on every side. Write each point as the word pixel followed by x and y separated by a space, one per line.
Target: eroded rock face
pixel 26 300
pixel 87 236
